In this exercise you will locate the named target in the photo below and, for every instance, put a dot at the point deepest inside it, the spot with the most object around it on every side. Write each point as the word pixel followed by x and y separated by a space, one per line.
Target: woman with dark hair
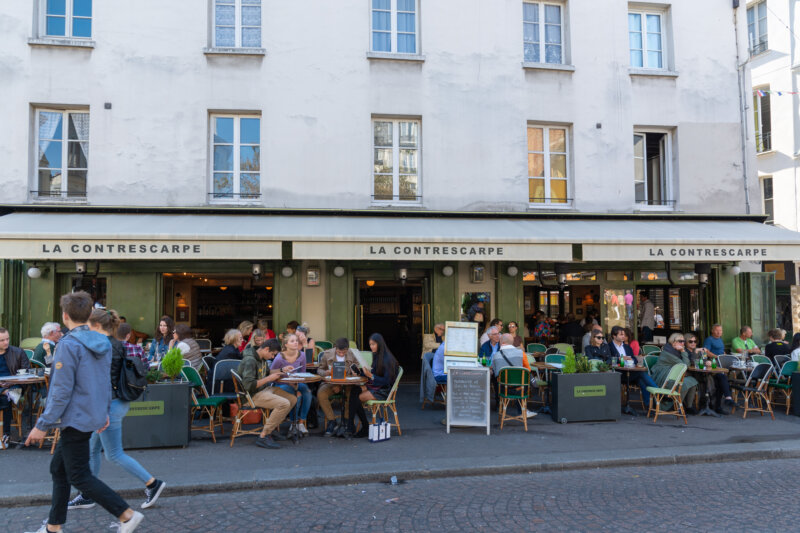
pixel 796 347
pixel 163 340
pixel 632 342
pixel 381 378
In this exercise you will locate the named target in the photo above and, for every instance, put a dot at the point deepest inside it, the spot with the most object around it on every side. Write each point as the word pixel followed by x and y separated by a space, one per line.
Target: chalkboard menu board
pixel 468 397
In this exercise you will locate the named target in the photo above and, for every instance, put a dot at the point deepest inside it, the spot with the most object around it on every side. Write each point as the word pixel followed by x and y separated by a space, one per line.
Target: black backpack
pixel 132 378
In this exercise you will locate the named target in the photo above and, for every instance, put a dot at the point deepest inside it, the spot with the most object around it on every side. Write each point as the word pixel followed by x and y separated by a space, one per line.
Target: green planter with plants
pixel 160 417
pixel 585 391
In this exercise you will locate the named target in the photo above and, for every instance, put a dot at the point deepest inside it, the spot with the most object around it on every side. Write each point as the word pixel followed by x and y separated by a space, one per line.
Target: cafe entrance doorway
pixel 396 310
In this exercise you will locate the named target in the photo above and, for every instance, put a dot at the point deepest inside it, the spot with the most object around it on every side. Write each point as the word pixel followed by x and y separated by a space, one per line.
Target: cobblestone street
pixel 734 496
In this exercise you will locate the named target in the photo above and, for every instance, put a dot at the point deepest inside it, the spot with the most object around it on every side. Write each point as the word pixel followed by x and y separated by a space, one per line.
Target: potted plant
pixel 582 393
pixel 160 417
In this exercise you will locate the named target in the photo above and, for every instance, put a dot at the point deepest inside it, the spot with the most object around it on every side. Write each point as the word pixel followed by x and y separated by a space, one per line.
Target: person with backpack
pixel 107 321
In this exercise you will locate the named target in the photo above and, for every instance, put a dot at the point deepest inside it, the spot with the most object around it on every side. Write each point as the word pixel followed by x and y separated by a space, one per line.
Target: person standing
pixel 106 321
pixel 647 317
pixel 78 403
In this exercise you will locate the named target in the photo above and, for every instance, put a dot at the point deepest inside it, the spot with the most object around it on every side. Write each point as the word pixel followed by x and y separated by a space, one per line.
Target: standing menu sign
pixel 460 344
pixel 468 396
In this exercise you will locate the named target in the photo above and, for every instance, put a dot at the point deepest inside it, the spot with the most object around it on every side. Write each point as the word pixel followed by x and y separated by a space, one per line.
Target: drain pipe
pixel 742 109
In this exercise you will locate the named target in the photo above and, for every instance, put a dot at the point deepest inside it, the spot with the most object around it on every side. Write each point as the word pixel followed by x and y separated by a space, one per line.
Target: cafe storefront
pixel 398 274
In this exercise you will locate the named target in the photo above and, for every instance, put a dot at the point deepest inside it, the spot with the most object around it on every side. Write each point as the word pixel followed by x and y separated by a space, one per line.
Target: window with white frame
pixel 395 26
pixel 652 168
pixel 766 192
pixel 235 157
pixel 67 18
pixel 763 119
pixel 542 32
pixel 62 153
pixel 237 23
pixel 757 28
pixel 396 146
pixel 646 39
pixel 548 165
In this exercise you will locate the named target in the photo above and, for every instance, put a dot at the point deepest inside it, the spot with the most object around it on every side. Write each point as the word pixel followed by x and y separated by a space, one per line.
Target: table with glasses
pixel 703 375
pixel 26 381
pixel 628 370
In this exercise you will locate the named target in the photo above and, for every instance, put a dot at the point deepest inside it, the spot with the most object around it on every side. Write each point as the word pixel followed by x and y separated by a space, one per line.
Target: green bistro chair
pixel 556 358
pixel 755 391
pixel 204 404
pixel 30 343
pixel 514 385
pixel 367 357
pixel 324 345
pixel 376 406
pixel 29 353
pixel 564 348
pixel 535 347
pixel 650 360
pixel 759 359
pixel 670 389
pixel 650 348
pixel 784 383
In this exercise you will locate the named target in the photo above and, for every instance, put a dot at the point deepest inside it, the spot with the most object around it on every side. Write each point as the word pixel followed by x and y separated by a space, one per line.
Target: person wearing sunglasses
pixel 673 354
pixel 597 347
pixel 620 348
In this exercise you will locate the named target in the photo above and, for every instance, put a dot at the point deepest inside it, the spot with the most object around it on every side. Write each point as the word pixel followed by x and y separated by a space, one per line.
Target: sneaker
pixel 301 427
pixel 79 502
pixel 14 395
pixel 133 523
pixel 5 441
pixel 43 529
pixel 330 429
pixel 151 495
pixel 530 414
pixel 276 435
pixel 267 442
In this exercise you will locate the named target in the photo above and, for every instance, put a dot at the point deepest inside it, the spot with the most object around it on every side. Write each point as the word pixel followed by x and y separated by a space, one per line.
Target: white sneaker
pixel 132 524
pixel 302 428
pixel 14 395
pixel 42 529
pixel 531 414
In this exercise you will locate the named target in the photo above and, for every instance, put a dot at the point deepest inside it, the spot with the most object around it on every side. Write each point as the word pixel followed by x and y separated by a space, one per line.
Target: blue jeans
pixel 303 401
pixel 646 381
pixel 110 441
pixel 441 379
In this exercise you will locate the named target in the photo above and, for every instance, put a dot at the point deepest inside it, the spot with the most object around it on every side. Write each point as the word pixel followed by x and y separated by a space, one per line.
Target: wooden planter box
pixel 159 418
pixel 586 397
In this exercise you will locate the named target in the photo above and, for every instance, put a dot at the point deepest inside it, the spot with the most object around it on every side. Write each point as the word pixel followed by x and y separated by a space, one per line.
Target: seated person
pixel 776 346
pixel 124 335
pixel 714 342
pixel 258 381
pixel 188 346
pixel 507 354
pixel 489 347
pixel 618 347
pixel 718 383
pixel 256 339
pixel 513 329
pixel 341 352
pixel 51 334
pixel 438 365
pixel 438 333
pixel 796 347
pixel 586 340
pixel 671 355
pixel 381 375
pixel 12 359
pixel 744 343
pixel 495 323
pixel 598 347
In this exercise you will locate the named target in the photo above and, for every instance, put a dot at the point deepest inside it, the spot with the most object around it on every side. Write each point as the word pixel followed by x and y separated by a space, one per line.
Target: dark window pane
pixel 76 183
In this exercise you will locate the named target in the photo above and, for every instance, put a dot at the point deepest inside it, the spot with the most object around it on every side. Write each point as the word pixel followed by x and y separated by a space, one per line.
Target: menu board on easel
pixel 461 339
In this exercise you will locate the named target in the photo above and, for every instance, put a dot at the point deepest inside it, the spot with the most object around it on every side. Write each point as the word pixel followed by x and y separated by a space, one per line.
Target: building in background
pixel 379 166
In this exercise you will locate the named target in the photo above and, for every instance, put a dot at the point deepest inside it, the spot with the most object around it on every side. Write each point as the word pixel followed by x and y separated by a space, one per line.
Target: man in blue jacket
pixel 490 347
pixel 78 403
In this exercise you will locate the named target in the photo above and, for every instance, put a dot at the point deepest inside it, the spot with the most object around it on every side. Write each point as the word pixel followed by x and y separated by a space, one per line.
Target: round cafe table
pixel 24 380
pixel 703 375
pixel 349 381
pixel 293 379
pixel 627 409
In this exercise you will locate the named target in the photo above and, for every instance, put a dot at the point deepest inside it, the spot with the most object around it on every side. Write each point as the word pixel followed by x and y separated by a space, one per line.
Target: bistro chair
pixel 552 358
pixel 205 345
pixel 514 385
pixel 552 350
pixel 734 365
pixel 246 405
pixel 564 348
pixel 353 345
pixel 30 343
pixel 376 406
pixel 212 407
pixel 781 360
pixel 670 389
pixel 784 382
pixel 222 371
pixel 535 347
pixel 647 349
pixel 650 360
pixel 324 345
pixel 367 357
pixel 208 362
pixel 755 391
pixel 29 353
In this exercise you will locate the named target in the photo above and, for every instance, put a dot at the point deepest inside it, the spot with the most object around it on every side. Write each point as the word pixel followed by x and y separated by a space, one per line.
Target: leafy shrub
pixel 582 365
pixel 172 363
pixel 569 364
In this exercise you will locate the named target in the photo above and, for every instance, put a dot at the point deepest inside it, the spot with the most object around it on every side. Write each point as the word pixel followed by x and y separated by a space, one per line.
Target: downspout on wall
pixel 742 107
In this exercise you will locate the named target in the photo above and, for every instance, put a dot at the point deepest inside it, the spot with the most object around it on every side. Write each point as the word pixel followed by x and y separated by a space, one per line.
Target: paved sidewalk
pixel 425 450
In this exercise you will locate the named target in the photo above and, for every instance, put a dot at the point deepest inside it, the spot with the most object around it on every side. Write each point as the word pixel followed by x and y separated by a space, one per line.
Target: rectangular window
pixel 67 18
pixel 394 26
pixel 757 28
pixel 396 148
pixel 651 166
pixel 548 165
pixel 645 39
pixel 542 33
pixel 763 120
pixel 236 157
pixel 766 192
pixel 62 160
pixel 237 23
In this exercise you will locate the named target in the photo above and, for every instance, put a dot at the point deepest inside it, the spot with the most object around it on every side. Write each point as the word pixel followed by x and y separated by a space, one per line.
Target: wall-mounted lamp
pixel 256 271
pixel 180 300
pixel 370 283
pixel 447 271
pixel 338 271
pixel 561 274
pixel 402 275
pixel 35 272
pixel 512 271
pixel 287 271
pixel 223 288
pixel 734 269
pixel 80 267
pixel 703 270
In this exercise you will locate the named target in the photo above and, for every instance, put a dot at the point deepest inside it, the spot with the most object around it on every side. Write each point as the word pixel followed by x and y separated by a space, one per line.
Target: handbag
pixel 380 431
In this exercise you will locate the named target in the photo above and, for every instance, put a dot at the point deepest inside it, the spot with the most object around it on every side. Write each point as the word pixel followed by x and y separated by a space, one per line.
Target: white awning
pixel 92 236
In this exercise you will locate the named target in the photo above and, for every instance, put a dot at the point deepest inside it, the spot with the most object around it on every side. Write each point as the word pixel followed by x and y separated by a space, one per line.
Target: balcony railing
pixel 77 195
pixel 759 47
pixel 234 197
pixel 763 142
pixel 541 200
pixel 397 198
